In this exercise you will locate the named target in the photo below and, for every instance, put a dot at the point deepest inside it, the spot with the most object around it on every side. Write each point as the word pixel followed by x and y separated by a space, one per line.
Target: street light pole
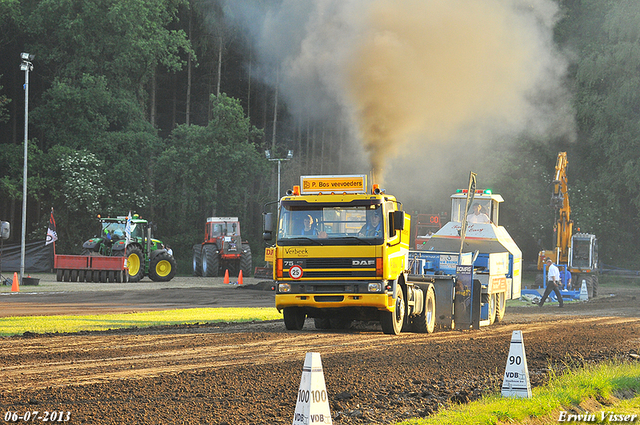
pixel 267 153
pixel 25 66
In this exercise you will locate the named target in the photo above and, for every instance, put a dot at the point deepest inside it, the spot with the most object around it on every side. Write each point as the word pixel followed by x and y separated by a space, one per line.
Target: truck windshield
pixel 330 224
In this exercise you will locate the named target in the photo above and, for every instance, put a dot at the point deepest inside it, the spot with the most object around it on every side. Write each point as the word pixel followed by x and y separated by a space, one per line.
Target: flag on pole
pixel 470 194
pixel 127 229
pixel 52 234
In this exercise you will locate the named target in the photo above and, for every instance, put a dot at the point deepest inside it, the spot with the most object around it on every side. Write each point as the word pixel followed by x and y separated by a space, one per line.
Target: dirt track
pixel 249 374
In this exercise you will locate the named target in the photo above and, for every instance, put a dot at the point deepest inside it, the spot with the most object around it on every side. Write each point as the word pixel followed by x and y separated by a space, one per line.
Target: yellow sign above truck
pixel 326 184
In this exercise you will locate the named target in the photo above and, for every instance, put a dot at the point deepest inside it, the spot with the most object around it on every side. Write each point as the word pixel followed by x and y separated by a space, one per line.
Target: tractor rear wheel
pixel 210 261
pixel 245 260
pixel 135 263
pixel 197 260
pixel 162 267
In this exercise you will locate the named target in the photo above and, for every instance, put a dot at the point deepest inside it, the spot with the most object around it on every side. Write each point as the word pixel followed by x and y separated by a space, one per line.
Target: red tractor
pixel 222 249
pixel 427 225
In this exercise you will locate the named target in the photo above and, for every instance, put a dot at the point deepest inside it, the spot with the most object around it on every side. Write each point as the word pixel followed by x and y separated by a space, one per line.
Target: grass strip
pixel 610 388
pixel 98 322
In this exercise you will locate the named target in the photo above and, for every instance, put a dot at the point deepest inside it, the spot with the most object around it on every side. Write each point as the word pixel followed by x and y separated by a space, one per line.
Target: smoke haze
pixel 422 86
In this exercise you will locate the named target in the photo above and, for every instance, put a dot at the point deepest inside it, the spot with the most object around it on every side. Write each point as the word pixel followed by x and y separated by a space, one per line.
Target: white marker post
pixel 584 294
pixel 312 406
pixel 516 376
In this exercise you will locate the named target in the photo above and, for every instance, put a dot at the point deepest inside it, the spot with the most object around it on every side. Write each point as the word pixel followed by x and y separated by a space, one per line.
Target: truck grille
pixel 332 268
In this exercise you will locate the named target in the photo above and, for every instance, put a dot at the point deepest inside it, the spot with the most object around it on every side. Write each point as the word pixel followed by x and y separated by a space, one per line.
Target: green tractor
pixel 145 256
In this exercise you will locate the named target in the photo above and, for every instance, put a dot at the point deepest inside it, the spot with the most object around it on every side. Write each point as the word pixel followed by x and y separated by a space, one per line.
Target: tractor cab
pixel 221 226
pixel 485 201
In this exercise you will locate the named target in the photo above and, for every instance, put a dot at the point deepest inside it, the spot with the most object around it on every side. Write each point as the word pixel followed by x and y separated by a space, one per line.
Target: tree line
pixel 152 106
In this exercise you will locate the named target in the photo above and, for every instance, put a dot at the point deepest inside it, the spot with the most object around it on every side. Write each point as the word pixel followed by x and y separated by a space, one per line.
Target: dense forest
pixel 165 108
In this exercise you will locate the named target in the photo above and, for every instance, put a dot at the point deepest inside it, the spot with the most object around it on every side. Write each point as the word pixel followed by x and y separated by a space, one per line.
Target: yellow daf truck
pixel 341 253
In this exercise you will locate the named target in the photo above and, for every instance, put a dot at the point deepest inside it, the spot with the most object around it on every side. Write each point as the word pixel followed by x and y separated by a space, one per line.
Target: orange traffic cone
pixel 240 278
pixel 226 276
pixel 15 286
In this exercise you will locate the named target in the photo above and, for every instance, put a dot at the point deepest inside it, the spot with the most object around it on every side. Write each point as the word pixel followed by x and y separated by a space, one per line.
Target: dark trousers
pixel 551 286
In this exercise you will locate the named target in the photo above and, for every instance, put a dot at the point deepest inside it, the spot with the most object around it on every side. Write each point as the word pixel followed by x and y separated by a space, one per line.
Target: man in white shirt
pixel 553 283
pixel 478 216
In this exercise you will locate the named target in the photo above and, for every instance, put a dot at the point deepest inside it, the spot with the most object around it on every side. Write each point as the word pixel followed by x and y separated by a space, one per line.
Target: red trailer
pixel 90 268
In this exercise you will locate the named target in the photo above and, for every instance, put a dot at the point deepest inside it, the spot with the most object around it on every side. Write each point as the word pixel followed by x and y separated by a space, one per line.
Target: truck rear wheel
pixel 135 263
pixel 340 323
pixel 426 321
pixel 210 261
pixel 322 323
pixel 392 321
pixel 162 267
pixel 294 318
pixel 492 308
pixel 595 282
pixel 197 260
pixel 501 304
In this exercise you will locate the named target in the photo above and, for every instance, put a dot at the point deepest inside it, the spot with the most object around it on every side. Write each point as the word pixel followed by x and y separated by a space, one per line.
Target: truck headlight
pixel 284 287
pixel 375 286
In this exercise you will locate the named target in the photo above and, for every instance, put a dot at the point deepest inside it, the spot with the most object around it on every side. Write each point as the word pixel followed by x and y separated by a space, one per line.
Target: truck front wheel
pixel 392 321
pixel 294 318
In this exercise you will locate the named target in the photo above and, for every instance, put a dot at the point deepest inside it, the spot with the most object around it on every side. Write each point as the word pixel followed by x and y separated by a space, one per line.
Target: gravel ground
pixel 250 373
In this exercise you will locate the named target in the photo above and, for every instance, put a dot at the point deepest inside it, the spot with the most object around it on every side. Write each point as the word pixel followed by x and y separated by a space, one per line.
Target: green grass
pixel 607 387
pixel 63 324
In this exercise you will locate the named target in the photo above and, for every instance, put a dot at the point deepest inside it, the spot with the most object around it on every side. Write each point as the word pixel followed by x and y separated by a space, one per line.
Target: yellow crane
pixel 578 252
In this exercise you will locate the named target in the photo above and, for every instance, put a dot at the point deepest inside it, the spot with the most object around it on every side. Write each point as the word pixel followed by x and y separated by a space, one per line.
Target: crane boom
pixel 560 202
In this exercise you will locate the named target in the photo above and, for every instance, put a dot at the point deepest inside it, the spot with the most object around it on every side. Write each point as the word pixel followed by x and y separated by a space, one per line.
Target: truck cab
pixel 338 252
